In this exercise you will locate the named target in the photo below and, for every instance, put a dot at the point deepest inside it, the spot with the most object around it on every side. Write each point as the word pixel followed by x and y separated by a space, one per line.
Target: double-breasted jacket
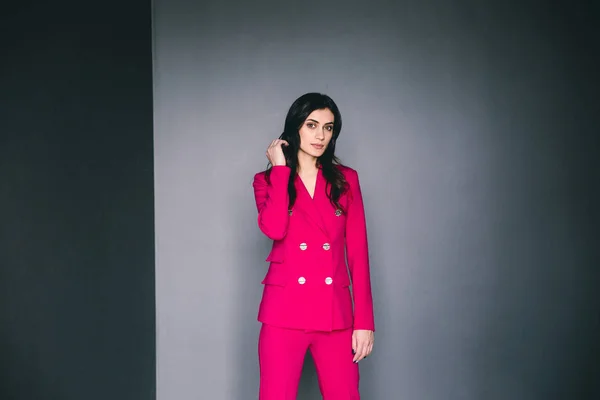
pixel 319 255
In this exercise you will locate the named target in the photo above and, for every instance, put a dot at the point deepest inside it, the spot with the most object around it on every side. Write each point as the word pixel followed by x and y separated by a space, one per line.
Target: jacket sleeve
pixel 272 201
pixel 357 253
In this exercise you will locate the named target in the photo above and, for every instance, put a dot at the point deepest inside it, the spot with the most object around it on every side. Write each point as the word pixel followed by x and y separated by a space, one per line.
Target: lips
pixel 318 146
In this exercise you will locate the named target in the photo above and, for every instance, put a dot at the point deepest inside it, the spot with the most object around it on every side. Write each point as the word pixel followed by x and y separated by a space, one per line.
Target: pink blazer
pixel 307 284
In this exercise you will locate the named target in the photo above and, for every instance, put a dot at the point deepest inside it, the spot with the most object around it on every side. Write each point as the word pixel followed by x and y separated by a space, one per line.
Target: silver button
pixel 303 246
pixel 328 280
pixel 326 246
pixel 301 280
pixel 338 212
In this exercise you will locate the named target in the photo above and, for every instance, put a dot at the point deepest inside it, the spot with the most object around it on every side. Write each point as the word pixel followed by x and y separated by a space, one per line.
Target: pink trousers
pixel 281 356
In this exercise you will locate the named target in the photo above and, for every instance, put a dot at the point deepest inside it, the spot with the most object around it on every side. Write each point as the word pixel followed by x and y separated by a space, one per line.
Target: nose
pixel 320 134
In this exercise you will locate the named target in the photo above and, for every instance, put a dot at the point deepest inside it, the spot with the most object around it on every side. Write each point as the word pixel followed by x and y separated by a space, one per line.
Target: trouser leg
pixel 281 355
pixel 338 375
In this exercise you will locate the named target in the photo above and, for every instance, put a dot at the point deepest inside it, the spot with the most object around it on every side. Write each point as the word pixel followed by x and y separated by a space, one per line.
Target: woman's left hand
pixel 362 344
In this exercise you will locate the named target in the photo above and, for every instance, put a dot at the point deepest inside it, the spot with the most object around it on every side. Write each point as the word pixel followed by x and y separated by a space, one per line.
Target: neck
pixel 306 163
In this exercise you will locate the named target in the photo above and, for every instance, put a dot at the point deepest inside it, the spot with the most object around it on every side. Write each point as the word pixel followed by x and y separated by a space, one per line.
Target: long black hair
pixel 296 116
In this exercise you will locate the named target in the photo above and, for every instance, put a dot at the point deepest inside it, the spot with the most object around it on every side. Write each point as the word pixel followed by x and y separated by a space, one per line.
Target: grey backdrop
pixel 472 128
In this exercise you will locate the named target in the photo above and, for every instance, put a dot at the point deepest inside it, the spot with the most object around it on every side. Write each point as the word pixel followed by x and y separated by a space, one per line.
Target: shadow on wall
pixel 542 321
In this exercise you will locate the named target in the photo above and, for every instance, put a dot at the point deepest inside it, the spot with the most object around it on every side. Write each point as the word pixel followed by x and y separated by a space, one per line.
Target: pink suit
pixel 306 302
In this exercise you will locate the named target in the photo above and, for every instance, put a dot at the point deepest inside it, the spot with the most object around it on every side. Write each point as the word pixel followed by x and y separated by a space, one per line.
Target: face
pixel 316 132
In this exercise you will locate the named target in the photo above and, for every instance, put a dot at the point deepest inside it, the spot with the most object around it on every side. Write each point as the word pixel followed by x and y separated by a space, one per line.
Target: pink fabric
pixel 281 354
pixel 307 284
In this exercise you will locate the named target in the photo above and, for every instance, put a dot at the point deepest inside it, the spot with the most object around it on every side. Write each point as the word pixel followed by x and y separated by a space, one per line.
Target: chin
pixel 311 152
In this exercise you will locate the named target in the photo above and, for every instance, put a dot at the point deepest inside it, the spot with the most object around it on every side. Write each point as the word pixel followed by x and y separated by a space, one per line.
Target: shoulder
pixel 277 173
pixel 351 177
pixel 349 173
pixel 262 175
pixel 260 179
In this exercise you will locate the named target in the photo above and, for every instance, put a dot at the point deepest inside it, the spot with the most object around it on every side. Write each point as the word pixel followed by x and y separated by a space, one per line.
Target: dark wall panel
pixel 76 199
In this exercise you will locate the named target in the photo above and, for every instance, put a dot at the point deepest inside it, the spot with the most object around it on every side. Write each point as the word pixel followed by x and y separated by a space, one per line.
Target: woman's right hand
pixel 275 152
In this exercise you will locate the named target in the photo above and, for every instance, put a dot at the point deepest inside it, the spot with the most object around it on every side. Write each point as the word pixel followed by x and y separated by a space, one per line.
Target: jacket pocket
pixel 275 276
pixel 277 255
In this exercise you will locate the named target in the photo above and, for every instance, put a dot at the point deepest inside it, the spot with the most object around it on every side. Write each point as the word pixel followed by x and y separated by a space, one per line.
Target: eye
pixel 311 125
pixel 329 128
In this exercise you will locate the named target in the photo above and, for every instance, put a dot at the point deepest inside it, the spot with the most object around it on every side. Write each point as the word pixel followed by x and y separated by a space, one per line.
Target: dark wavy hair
pixel 296 116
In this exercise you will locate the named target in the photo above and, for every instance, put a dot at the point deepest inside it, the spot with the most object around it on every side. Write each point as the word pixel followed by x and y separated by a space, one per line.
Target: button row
pixel 304 246
pixel 302 280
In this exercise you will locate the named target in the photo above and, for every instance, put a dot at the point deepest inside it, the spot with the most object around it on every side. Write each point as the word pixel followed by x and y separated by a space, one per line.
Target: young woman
pixel 311 207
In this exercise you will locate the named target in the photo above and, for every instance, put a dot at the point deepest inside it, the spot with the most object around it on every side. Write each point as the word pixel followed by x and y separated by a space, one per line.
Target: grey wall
pixel 473 127
pixel 77 309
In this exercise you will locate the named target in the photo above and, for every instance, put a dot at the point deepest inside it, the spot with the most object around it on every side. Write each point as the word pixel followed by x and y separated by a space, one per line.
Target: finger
pixel 368 350
pixel 279 143
pixel 364 351
pixel 360 347
pixel 359 354
pixel 354 346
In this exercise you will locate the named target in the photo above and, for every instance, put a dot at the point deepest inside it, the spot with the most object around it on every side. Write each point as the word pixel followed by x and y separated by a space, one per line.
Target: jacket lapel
pixel 321 201
pixel 311 206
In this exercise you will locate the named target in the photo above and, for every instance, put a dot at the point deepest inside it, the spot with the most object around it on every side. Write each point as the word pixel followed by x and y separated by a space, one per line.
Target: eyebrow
pixel 314 120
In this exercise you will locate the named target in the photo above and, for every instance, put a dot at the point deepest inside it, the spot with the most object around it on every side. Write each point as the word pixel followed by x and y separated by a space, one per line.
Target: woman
pixel 311 207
